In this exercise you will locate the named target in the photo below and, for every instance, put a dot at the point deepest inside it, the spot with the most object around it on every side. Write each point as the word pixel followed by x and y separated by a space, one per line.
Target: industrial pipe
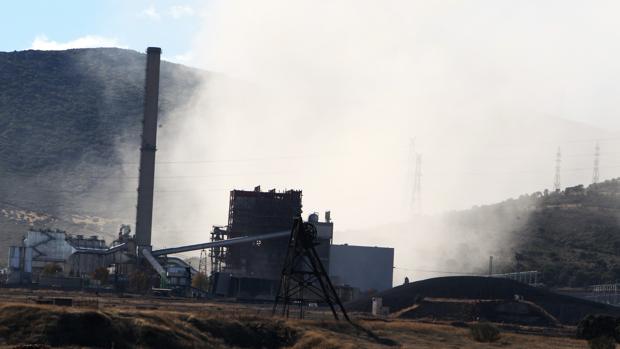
pixel 155 264
pixel 221 243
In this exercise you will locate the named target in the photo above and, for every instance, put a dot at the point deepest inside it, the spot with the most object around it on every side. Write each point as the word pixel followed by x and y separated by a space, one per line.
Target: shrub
pixel 51 269
pixel 484 332
pixel 101 274
pixel 602 342
pixel 201 282
pixel 595 326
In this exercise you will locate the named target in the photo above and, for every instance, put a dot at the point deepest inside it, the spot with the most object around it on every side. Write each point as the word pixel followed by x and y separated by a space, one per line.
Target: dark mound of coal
pixel 568 310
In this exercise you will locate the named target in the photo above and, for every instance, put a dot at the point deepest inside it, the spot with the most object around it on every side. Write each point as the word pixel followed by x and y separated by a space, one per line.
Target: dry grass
pixel 213 325
pixel 318 340
pixel 411 334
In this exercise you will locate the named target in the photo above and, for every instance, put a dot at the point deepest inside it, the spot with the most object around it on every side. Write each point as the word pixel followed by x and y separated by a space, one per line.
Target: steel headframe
pixel 304 278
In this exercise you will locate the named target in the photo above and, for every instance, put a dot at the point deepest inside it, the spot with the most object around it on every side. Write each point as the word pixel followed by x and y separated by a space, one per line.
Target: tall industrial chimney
pixel 144 215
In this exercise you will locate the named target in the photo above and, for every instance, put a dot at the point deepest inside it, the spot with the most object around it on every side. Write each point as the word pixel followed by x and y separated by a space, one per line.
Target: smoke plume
pixel 326 96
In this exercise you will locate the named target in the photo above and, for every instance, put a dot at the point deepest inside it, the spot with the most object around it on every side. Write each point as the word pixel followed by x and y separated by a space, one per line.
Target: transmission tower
pixel 417 188
pixel 596 157
pixel 411 172
pixel 304 279
pixel 558 160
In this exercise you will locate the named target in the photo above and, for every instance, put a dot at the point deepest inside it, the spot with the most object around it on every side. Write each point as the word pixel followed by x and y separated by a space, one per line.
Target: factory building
pixel 368 269
pixel 247 256
pixel 41 248
pixel 256 213
pixel 247 269
pixel 75 258
pixel 253 270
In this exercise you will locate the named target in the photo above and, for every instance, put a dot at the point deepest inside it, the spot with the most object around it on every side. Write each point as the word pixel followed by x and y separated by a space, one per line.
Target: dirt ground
pixel 125 322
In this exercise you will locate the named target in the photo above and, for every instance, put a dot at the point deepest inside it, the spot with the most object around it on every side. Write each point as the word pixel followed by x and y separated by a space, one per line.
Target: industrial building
pixel 369 269
pixel 74 256
pixel 73 259
pixel 247 255
pixel 253 269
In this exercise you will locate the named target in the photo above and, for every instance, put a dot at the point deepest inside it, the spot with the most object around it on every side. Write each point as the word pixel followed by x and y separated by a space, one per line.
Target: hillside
pixel 65 118
pixel 74 105
pixel 571 236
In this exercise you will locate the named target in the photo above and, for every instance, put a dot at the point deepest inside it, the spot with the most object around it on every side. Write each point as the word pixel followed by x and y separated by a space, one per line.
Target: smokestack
pixel 144 215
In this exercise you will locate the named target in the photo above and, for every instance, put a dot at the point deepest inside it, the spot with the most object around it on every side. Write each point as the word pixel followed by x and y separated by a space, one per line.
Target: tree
pixel 200 281
pixel 140 281
pixel 51 269
pixel 101 274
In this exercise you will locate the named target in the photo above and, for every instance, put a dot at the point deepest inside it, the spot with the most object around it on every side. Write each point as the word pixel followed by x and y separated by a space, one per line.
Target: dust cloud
pixel 326 96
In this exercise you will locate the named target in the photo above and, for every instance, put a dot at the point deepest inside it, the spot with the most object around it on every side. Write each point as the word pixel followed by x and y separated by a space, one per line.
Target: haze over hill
pixel 80 112
pixel 71 124
pixel 66 118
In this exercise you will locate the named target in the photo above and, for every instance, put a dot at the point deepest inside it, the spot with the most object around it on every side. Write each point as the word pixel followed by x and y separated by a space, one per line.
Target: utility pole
pixel 490 265
pixel 595 174
pixel 558 159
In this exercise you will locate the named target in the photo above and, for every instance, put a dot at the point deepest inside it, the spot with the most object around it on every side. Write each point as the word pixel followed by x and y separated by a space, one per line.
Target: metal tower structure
pixel 304 279
pixel 202 263
pixel 218 254
pixel 595 173
pixel 558 159
pixel 417 188
pixel 416 172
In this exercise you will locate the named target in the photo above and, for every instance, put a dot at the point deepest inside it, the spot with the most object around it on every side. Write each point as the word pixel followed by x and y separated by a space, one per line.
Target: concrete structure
pixel 363 267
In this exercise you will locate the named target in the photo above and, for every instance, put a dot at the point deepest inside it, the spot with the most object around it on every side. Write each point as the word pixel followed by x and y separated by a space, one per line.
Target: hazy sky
pixel 580 36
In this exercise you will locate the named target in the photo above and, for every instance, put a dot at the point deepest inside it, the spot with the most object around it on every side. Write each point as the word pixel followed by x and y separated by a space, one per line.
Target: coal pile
pixel 566 309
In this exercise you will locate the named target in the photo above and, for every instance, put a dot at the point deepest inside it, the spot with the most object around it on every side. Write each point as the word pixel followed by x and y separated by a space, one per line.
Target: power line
pixel 438 271
pixel 214 161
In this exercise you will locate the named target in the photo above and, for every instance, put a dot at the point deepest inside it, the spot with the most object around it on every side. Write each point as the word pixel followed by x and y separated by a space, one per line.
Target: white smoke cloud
pixel 328 94
pixel 41 42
